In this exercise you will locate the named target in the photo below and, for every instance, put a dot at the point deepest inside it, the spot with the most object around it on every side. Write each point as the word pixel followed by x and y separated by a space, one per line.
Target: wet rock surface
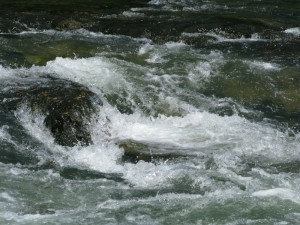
pixel 136 151
pixel 67 106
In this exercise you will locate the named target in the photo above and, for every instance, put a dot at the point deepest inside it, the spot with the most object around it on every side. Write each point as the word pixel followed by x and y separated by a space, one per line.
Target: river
pixel 208 90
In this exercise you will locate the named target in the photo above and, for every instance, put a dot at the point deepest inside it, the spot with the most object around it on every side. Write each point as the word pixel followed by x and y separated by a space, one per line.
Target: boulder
pixel 67 106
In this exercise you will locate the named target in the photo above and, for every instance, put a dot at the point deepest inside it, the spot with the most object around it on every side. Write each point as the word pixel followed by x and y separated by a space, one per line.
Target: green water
pixel 200 117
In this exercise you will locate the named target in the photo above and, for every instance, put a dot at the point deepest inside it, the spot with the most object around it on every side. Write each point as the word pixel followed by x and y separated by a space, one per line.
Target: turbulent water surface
pixel 208 90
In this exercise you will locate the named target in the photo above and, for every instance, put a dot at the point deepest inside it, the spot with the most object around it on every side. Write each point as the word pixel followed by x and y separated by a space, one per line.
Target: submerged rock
pixel 68 24
pixel 67 106
pixel 135 151
pixel 262 87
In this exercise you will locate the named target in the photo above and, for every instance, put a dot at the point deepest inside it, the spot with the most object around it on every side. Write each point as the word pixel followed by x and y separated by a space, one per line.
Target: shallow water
pixel 209 88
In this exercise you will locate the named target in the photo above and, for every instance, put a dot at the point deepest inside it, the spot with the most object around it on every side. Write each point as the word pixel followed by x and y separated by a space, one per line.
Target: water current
pixel 209 89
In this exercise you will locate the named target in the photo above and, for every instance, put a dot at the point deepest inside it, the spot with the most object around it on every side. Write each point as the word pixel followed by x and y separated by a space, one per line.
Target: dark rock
pixel 18 15
pixel 68 24
pixel 135 151
pixel 67 106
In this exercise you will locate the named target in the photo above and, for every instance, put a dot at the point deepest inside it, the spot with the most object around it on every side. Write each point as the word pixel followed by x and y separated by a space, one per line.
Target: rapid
pixel 204 94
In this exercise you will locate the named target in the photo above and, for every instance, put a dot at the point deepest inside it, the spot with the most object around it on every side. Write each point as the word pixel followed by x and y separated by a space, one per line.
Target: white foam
pixel 145 174
pixel 157 54
pixel 3 132
pixel 15 171
pixel 101 157
pixel 203 130
pixel 6 72
pixel 33 122
pixel 295 31
pixel 155 2
pixel 204 7
pixel 156 58
pixel 206 68
pixel 19 218
pixel 259 65
pixel 5 136
pixel 97 73
pixel 221 37
pixel 145 48
pixel 175 45
pixel 186 5
pixel 132 14
pixel 283 193
pixel 79 32
pixel 7 197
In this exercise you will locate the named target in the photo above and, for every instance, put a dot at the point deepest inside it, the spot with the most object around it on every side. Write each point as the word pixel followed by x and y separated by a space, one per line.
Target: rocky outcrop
pixel 67 106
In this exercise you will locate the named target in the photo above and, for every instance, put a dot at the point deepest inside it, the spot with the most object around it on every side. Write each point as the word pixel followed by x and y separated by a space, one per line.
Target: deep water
pixel 200 118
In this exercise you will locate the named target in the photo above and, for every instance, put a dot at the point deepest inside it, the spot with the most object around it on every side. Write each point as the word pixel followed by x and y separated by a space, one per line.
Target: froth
pixel 283 193
pixel 6 72
pixel 7 197
pixel 206 68
pixel 259 65
pixel 203 131
pixel 221 36
pixel 101 157
pixel 98 73
pixel 157 54
pixel 294 31
pixel 3 133
pixel 33 122
pixel 19 218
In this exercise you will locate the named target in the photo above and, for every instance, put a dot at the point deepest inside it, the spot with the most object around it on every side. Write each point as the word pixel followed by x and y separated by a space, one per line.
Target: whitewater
pixel 213 116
